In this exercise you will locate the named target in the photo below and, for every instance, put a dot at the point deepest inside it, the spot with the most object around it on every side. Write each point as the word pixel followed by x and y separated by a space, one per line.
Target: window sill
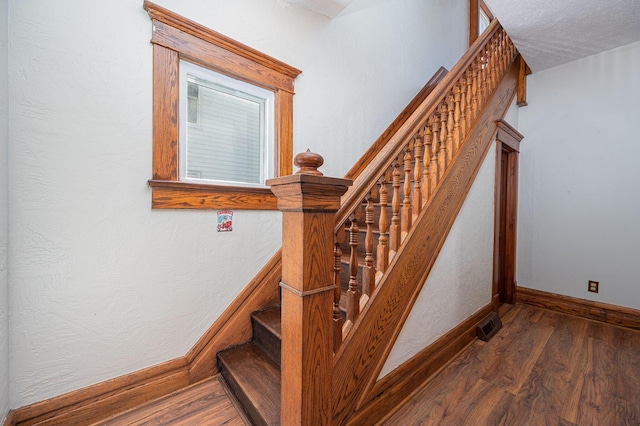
pixel 168 194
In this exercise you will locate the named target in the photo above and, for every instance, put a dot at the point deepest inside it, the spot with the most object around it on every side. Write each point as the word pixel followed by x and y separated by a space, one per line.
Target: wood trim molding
pixel 486 10
pixel 367 346
pixel 597 311
pixel 398 386
pixel 474 21
pixel 101 400
pixel 160 14
pixel 523 72
pixel 508 135
pixel 10 420
pixel 176 38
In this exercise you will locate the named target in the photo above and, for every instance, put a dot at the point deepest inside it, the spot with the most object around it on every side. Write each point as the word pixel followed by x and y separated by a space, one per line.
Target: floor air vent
pixel 488 327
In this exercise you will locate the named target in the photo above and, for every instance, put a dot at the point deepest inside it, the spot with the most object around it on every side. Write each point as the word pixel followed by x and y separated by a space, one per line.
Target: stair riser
pixel 267 341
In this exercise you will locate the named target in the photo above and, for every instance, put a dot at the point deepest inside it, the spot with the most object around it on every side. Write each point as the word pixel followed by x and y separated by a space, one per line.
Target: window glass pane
pixel 226 132
pixel 192 103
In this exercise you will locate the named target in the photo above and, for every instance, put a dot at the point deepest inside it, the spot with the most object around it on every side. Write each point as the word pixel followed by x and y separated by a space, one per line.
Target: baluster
pixel 483 82
pixel 493 80
pixel 353 295
pixel 337 293
pixel 394 229
pixel 406 201
pixel 501 55
pixel 450 126
pixel 469 108
pixel 369 272
pixel 426 185
pixel 462 106
pixel 443 138
pixel 383 248
pixel 435 164
pixel 417 174
pixel 475 89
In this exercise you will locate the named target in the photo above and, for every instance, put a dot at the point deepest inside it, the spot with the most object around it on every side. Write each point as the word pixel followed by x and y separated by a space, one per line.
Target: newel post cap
pixel 308 189
pixel 308 162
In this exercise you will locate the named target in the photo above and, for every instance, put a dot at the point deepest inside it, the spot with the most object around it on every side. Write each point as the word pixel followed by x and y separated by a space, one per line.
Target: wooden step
pixel 205 402
pixel 255 381
pixel 267 332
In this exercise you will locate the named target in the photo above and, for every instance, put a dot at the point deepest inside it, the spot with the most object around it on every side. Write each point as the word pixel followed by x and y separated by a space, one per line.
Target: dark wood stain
pixel 543 368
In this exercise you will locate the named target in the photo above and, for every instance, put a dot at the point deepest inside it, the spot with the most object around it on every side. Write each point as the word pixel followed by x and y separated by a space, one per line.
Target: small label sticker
pixel 225 221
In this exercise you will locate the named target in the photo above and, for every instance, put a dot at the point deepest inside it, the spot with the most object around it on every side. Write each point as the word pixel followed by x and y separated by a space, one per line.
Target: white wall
pixel 101 285
pixel 579 179
pixel 4 225
pixel 460 281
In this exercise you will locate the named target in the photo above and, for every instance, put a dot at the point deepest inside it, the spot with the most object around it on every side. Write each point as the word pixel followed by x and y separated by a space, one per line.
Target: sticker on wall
pixel 225 221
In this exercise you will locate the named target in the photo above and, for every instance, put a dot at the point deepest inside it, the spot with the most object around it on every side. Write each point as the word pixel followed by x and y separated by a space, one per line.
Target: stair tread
pixel 255 379
pixel 203 402
pixel 270 319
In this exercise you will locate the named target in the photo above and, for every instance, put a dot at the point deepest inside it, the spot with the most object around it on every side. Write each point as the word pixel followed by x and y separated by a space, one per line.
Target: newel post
pixel 308 201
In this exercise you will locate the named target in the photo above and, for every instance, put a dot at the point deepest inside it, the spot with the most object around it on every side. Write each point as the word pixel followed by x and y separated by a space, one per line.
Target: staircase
pixel 384 239
pixel 252 370
pixel 389 229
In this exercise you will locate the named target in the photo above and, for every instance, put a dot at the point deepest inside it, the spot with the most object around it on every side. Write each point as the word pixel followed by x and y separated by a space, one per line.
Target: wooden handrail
pixel 364 182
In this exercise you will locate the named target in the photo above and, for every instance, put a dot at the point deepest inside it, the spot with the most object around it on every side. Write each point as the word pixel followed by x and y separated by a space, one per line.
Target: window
pixel 227 137
pixel 222 118
pixel 479 19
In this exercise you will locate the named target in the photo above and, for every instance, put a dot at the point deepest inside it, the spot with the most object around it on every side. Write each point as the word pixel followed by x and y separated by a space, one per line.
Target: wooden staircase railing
pixel 409 169
pixel 417 183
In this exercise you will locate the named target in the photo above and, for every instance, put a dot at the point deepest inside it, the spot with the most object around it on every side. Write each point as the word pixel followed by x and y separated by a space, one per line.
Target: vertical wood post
pixel 308 201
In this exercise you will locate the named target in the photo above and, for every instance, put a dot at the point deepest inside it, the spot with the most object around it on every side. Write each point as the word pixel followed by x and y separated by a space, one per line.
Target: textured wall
pixel 101 285
pixel 579 179
pixel 4 225
pixel 459 283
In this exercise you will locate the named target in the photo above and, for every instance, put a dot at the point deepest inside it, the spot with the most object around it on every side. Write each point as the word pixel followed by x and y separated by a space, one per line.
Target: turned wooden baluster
pixel 435 153
pixel 417 174
pixel 369 272
pixel 426 179
pixel 450 126
pixel 460 131
pixel 501 55
pixel 394 229
pixel 353 294
pixel 383 249
pixel 483 81
pixel 493 76
pixel 337 292
pixel 406 201
pixel 443 138
pixel 469 107
pixel 474 89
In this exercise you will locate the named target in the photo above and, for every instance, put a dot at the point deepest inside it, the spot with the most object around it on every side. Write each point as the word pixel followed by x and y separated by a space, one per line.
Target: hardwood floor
pixel 542 368
pixel 204 403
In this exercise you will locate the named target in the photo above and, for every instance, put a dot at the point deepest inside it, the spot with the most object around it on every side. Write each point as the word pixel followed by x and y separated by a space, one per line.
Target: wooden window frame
pixel 474 18
pixel 176 38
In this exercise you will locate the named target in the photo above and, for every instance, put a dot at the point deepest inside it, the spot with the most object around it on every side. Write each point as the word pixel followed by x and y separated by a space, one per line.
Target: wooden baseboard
pixel 104 399
pixel 10 420
pixel 101 400
pixel 597 311
pixel 390 392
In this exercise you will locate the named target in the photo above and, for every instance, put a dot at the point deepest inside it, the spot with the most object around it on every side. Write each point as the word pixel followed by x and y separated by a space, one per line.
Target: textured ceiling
pixel 552 32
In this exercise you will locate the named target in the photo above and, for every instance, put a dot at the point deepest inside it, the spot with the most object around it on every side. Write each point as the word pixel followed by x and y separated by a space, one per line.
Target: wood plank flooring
pixel 204 403
pixel 542 368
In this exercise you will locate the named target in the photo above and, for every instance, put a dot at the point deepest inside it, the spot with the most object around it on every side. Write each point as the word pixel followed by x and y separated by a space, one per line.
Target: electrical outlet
pixel 593 286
